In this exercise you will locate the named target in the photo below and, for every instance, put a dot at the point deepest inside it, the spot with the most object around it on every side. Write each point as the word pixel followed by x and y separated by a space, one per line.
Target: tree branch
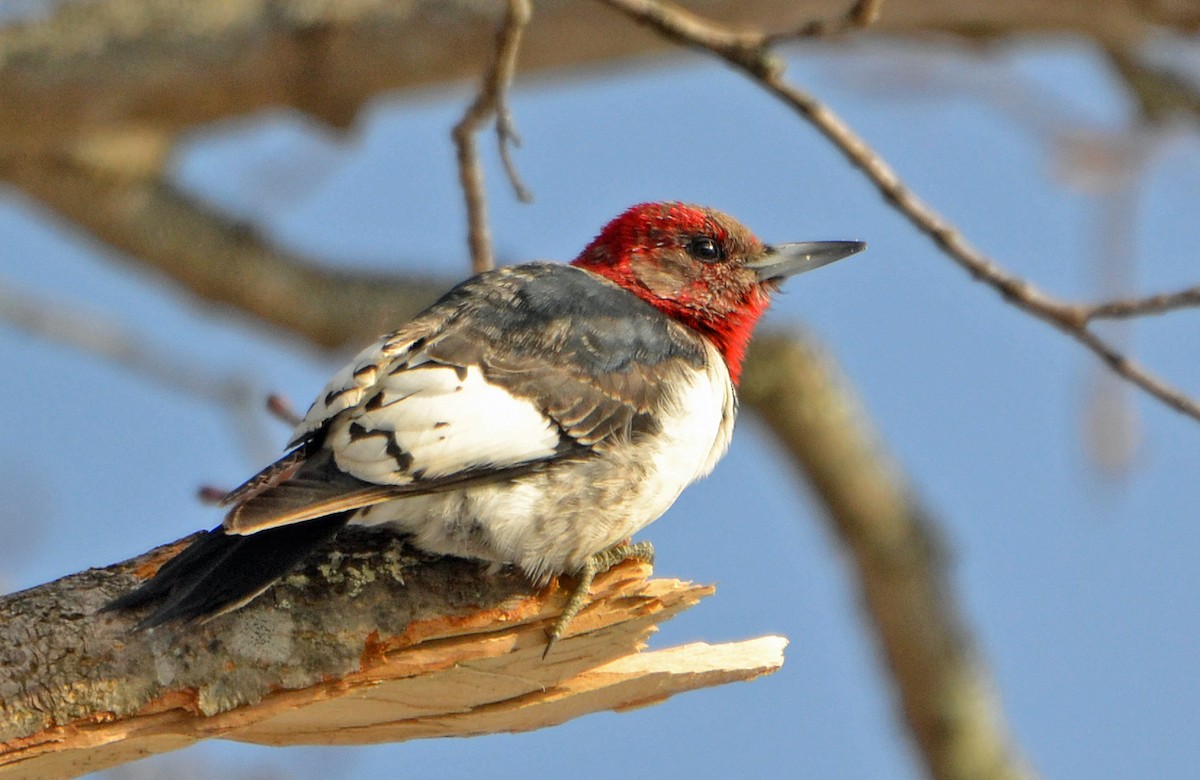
pixel 491 101
pixel 1161 94
pixel 222 261
pixel 1140 307
pixel 861 14
pixel 945 691
pixel 751 53
pixel 336 654
pixel 86 68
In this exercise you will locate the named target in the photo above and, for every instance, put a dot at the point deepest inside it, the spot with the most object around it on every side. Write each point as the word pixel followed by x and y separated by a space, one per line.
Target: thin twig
pixel 491 101
pixel 1140 307
pixel 751 53
pixel 281 409
pixel 507 138
pixel 863 13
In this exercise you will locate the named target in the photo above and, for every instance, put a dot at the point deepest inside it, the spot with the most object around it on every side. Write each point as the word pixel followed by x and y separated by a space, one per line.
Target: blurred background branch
pixel 752 54
pixel 903 572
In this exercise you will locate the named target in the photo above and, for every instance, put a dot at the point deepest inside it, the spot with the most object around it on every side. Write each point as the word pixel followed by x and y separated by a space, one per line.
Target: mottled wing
pixel 505 374
pixel 595 359
pixel 348 386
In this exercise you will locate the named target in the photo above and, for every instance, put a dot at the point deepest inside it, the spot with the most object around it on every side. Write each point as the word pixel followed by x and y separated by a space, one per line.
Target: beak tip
pixel 786 260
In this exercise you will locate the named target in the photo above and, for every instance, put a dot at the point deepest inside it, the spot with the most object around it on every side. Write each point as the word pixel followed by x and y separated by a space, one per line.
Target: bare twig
pixel 281 409
pixel 507 137
pixel 1140 307
pixel 491 101
pixel 863 13
pixel 747 50
pixel 751 53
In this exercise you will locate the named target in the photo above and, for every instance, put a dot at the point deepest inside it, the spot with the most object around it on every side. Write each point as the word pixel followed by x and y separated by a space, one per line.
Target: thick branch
pixel 94 65
pixel 222 261
pixel 1161 94
pixel 944 688
pixel 331 655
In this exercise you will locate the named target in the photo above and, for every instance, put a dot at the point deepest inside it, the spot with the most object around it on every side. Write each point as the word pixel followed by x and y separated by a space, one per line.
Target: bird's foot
pixel 597 564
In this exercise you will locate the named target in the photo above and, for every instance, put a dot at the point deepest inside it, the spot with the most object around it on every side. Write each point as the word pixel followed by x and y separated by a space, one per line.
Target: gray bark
pixel 61 660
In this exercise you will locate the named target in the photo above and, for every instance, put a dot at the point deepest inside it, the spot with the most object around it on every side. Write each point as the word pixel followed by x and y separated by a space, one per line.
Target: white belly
pixel 552 520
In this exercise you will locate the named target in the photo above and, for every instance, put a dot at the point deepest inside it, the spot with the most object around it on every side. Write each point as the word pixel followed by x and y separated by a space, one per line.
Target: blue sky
pixel 1080 588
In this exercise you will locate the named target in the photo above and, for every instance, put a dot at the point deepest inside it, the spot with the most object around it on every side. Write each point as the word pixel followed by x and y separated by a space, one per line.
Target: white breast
pixel 696 431
pixel 552 520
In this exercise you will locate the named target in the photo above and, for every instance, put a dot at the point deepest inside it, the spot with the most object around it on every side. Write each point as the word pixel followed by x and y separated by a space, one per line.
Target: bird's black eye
pixel 705 249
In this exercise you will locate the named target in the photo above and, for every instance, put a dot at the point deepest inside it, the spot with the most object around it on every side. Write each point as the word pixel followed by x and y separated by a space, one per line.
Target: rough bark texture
pixel 369 642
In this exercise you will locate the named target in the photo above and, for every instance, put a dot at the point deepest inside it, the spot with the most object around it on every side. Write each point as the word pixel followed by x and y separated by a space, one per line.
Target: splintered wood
pixel 255 676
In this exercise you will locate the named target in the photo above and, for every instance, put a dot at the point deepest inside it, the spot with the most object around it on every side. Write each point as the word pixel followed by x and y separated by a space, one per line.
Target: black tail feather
pixel 221 571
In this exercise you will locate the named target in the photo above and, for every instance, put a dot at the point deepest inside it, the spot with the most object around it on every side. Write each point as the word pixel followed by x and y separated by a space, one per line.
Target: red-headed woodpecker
pixel 536 415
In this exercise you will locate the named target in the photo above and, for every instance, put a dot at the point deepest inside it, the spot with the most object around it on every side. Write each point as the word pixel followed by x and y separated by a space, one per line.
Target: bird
pixel 537 416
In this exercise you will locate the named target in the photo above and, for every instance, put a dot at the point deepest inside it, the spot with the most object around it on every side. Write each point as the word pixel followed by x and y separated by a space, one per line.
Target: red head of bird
pixel 703 268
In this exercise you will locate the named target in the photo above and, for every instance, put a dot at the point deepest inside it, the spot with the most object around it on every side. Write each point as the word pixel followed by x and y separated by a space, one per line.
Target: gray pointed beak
pixel 784 260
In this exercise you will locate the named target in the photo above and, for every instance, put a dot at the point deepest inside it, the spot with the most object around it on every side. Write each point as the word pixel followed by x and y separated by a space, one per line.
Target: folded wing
pixel 547 362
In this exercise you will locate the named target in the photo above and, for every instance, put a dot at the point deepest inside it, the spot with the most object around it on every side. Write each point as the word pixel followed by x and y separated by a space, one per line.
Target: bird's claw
pixel 597 564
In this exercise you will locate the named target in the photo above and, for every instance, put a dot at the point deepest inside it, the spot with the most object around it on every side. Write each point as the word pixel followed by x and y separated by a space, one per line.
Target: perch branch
pixel 336 653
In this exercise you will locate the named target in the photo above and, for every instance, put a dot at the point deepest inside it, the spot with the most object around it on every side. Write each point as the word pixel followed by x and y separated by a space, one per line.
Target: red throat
pixel 730 333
